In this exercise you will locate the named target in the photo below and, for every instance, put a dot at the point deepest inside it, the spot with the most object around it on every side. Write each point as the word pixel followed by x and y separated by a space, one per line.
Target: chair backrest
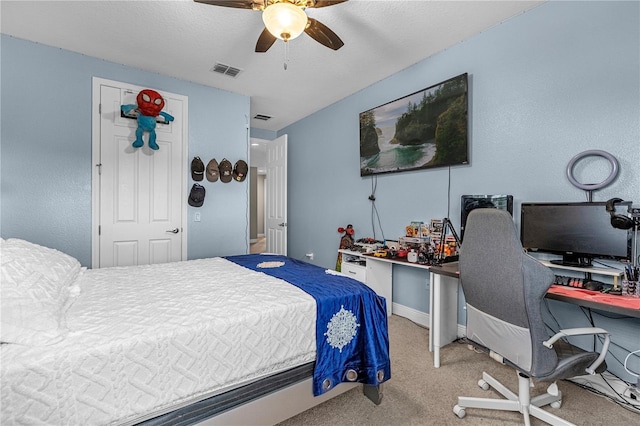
pixel 504 288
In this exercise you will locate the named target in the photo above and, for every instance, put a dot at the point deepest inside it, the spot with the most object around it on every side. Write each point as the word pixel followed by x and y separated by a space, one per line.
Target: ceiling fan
pixel 286 20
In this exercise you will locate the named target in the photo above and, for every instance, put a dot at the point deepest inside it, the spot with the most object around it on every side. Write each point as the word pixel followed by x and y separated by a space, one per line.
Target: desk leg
pixel 437 317
pixel 444 314
pixel 431 285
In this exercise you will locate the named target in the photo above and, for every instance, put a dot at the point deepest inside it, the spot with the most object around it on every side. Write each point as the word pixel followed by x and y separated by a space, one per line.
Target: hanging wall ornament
pixel 148 110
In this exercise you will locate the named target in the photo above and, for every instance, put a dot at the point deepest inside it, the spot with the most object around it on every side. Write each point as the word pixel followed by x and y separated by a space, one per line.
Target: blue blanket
pixel 352 340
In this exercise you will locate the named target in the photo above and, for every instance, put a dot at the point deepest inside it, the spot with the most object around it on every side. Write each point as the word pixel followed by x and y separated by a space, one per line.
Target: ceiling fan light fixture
pixel 284 20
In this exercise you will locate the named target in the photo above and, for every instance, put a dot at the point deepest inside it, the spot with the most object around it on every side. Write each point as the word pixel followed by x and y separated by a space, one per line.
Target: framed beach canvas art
pixel 422 130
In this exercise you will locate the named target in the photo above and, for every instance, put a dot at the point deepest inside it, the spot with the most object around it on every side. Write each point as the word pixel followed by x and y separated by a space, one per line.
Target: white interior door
pixel 140 194
pixel 276 208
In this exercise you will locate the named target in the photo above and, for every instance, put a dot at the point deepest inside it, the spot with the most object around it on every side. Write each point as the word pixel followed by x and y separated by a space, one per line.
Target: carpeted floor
pixel 419 394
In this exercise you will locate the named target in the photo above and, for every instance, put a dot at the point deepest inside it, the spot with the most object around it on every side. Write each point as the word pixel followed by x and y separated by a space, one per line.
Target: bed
pixel 178 343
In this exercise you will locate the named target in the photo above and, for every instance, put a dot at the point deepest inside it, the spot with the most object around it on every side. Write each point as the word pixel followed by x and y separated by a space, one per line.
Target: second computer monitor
pixel 472 202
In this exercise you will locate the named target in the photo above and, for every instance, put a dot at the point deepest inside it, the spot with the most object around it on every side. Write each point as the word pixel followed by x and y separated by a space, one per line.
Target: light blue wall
pixel 544 86
pixel 268 135
pixel 46 149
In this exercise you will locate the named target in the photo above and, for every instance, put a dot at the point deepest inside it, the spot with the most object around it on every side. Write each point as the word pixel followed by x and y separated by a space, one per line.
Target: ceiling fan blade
pixel 323 35
pixel 323 3
pixel 265 41
pixel 239 4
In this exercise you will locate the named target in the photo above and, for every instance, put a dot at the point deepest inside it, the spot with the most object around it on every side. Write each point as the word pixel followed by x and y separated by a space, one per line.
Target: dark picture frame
pixel 423 130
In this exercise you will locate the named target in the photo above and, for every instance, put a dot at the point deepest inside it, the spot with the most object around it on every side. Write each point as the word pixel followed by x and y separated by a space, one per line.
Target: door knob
pixel 174 231
pixel 282 224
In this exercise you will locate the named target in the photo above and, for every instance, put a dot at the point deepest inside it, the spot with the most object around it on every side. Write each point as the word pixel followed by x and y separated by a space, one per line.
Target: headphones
pixel 617 220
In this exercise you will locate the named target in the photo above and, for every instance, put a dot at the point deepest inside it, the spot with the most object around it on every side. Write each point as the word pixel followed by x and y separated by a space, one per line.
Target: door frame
pixel 95 162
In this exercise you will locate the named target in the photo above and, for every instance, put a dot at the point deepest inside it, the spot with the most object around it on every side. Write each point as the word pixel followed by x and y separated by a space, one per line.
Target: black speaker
pixel 617 220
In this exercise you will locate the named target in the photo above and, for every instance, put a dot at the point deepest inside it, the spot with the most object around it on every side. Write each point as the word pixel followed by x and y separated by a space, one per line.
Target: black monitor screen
pixel 472 202
pixel 577 231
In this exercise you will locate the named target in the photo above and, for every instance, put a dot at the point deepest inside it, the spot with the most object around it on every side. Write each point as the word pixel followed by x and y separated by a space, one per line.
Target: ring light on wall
pixel 593 186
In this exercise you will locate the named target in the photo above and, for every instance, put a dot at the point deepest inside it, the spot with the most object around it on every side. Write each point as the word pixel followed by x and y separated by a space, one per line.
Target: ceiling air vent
pixel 262 117
pixel 225 69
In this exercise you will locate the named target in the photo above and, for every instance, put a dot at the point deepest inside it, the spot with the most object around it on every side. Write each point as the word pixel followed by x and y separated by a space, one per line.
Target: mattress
pixel 148 339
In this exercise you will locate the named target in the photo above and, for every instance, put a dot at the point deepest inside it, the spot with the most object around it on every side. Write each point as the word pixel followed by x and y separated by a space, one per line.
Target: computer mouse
pixel 592 285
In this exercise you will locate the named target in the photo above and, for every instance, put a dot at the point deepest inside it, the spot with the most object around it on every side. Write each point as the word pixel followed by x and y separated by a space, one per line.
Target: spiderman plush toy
pixel 150 104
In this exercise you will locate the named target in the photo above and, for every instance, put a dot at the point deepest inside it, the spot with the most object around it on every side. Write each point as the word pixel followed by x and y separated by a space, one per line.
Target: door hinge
pixel 99 166
pixel 99 108
pixel 99 230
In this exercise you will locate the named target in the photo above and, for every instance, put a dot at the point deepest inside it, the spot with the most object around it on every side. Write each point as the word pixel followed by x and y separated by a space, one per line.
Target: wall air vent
pixel 261 117
pixel 225 69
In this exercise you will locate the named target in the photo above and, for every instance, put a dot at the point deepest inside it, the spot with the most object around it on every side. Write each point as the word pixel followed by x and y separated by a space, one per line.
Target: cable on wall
pixel 374 209
pixel 449 193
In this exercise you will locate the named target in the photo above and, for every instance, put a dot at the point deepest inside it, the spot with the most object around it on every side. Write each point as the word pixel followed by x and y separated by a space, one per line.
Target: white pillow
pixel 35 288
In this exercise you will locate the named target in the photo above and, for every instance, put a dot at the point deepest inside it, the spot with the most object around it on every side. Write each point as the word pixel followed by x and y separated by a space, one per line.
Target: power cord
pixel 374 209
pixel 593 388
pixel 449 193
pixel 627 359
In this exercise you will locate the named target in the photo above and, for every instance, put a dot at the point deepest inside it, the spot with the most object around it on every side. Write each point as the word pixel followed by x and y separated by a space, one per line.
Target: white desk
pixel 443 295
pixel 443 302
pixel 443 308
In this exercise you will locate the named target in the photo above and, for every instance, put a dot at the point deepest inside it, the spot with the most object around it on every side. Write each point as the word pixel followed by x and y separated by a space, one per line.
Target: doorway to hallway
pixel 260 246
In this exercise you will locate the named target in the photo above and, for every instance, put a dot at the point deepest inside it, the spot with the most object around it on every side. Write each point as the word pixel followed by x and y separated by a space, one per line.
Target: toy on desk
pixel 149 107
pixel 381 253
pixel 346 241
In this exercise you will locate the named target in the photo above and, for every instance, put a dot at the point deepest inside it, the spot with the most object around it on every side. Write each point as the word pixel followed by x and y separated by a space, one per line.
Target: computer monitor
pixel 472 202
pixel 579 232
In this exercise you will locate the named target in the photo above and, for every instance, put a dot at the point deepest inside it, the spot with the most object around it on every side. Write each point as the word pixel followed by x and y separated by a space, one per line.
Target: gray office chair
pixel 504 288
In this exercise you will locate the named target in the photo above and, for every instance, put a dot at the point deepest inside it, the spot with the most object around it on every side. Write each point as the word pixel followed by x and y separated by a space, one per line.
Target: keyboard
pixel 578 283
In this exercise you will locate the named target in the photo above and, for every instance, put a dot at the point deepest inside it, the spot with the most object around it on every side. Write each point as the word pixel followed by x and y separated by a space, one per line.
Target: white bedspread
pixel 146 338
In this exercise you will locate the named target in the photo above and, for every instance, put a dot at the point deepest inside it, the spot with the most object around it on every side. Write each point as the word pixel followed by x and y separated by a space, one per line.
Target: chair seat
pixel 572 361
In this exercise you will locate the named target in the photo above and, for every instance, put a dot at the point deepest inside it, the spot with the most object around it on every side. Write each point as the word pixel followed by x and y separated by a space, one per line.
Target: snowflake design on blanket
pixel 341 329
pixel 270 264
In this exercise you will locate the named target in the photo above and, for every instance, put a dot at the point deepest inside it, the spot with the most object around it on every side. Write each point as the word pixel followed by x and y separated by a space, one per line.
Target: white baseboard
pixel 420 318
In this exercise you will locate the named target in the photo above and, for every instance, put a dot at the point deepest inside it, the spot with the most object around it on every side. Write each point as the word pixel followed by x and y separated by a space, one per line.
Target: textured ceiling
pixel 185 40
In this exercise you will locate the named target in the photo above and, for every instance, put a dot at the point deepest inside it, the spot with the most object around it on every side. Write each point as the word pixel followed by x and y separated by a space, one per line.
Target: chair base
pixel 522 403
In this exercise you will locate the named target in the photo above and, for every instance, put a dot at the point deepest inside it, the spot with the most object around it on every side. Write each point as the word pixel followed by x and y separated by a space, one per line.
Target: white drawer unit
pixel 355 271
pixel 376 274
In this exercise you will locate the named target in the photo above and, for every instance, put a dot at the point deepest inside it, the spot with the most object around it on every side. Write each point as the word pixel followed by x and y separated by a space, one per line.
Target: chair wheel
pixel 556 404
pixel 483 384
pixel 459 411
